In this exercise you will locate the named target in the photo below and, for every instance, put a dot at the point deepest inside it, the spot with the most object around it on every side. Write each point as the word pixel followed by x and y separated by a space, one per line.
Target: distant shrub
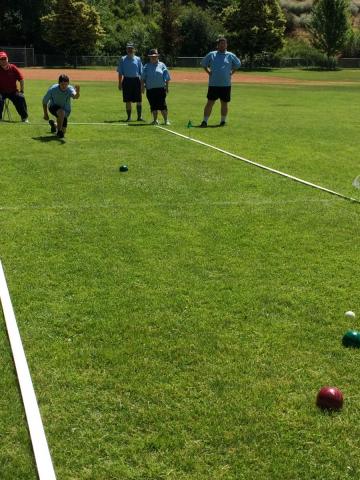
pixel 297 8
pixel 352 46
pixel 300 52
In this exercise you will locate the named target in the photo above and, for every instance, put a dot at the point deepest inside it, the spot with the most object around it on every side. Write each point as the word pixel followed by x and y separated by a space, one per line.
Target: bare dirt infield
pixel 176 76
pixel 75 75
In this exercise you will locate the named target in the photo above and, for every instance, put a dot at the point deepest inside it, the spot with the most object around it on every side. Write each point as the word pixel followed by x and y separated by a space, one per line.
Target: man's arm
pixel 46 115
pixel 77 90
pixel 22 83
pixel 142 86
pixel 120 81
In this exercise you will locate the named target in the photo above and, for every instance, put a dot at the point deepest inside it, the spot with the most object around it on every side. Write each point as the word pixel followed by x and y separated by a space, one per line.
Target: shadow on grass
pixel 209 126
pixel 115 121
pixel 49 138
pixel 140 125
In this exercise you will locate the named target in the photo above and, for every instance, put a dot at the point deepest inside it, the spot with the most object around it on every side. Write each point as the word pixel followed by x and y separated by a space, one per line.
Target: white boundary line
pixel 259 165
pixel 107 124
pixel 40 447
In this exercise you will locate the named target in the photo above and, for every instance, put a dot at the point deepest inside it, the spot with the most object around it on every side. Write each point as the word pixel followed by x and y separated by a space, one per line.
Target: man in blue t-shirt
pixel 130 70
pixel 219 65
pixel 58 100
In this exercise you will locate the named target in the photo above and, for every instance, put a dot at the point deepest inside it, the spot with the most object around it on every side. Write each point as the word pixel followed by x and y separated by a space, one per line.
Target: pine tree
pixel 255 26
pixel 330 26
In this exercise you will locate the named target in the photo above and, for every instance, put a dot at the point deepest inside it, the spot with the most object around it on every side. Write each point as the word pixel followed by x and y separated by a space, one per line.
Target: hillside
pixel 297 14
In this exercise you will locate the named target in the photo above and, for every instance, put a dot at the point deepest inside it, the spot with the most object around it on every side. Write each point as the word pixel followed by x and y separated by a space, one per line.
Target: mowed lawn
pixel 179 319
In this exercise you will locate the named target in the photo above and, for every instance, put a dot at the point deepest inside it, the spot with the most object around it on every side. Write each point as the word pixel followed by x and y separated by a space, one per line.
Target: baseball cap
pixel 153 53
pixel 3 55
pixel 130 45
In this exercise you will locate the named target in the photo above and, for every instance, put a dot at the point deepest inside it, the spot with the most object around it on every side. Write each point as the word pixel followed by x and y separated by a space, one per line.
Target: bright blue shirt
pixel 130 66
pixel 155 75
pixel 221 65
pixel 56 96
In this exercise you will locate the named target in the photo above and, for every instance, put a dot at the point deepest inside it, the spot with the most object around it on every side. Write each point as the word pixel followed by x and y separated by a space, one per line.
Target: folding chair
pixel 6 111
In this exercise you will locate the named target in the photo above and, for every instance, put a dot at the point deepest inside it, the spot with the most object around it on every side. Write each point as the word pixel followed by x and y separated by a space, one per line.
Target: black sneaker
pixel 52 126
pixel 128 119
pixel 203 124
pixel 60 134
pixel 140 119
pixel 222 124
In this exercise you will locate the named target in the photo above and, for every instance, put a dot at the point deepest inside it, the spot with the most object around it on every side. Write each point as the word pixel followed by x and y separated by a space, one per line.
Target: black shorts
pixel 224 93
pixel 53 109
pixel 131 88
pixel 156 97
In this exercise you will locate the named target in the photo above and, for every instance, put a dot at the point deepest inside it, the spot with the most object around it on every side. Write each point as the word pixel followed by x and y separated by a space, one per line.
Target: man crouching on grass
pixel 58 100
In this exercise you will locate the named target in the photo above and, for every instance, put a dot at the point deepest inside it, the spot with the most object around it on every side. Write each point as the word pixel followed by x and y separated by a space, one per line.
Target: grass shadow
pixel 209 126
pixel 49 138
pixel 140 125
pixel 115 121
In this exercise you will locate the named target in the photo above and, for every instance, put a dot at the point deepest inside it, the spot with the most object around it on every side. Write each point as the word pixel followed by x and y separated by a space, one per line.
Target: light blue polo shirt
pixel 155 75
pixel 221 65
pixel 61 98
pixel 130 66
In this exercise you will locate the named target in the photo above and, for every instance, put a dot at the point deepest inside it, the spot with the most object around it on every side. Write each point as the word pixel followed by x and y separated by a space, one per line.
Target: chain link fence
pixel 21 56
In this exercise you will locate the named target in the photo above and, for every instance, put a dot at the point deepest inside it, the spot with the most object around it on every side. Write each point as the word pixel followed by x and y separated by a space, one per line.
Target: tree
pixel 330 26
pixel 255 26
pixel 73 27
pixel 198 31
pixel 170 28
pixel 20 21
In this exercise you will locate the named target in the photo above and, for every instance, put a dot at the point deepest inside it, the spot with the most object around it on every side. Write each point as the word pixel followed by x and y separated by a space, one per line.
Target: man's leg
pixel 164 113
pixel 139 111
pixel 2 103
pixel 19 102
pixel 207 112
pixel 128 111
pixel 155 116
pixel 60 120
pixel 224 112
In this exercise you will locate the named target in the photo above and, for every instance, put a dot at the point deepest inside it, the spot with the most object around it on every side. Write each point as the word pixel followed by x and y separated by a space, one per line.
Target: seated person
pixel 10 76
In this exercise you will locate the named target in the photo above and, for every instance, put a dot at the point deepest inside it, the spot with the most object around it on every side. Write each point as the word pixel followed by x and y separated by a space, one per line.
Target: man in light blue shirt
pixel 58 100
pixel 155 79
pixel 219 65
pixel 129 71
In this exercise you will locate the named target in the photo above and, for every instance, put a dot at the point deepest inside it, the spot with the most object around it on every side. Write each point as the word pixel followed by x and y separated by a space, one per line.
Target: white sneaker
pixel 155 122
pixel 167 122
pixel 25 120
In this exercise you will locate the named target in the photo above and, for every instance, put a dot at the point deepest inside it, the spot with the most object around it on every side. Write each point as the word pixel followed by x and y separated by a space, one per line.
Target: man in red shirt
pixel 9 76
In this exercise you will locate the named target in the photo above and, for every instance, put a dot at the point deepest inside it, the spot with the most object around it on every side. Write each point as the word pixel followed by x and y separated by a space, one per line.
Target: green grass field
pixel 179 319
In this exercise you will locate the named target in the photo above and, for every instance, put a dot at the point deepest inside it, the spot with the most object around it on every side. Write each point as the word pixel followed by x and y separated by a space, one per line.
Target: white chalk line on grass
pixel 38 439
pixel 108 124
pixel 259 165
pixel 160 204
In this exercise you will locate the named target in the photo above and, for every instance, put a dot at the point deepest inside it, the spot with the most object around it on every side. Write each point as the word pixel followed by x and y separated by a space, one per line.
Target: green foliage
pixel 297 51
pixel 170 28
pixel 73 27
pixel 198 31
pixel 330 26
pixel 255 26
pixel 297 7
pixel 20 21
pixel 351 48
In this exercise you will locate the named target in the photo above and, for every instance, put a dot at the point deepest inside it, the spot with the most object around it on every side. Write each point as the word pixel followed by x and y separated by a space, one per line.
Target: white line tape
pixel 259 165
pixel 108 206
pixel 40 447
pixel 109 124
